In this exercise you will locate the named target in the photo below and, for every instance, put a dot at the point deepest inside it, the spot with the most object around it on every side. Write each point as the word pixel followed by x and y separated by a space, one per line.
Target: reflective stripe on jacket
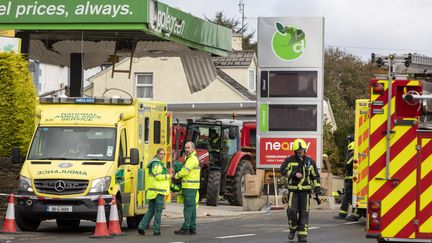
pixel 190 172
pixel 159 179
pixel 307 167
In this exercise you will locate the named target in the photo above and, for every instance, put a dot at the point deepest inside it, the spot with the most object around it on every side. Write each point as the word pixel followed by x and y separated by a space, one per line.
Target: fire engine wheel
pixel 213 187
pixel 238 184
pixel 26 224
pixel 68 223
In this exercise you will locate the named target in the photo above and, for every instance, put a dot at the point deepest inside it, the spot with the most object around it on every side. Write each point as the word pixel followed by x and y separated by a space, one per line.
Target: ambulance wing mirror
pixel 134 156
pixel 16 155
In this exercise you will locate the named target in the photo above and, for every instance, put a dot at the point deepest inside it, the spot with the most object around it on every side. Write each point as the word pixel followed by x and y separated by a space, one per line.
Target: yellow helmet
pixel 350 146
pixel 299 144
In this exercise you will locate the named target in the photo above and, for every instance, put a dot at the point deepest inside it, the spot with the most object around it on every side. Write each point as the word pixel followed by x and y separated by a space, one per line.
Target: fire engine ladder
pixel 414 64
pixel 123 46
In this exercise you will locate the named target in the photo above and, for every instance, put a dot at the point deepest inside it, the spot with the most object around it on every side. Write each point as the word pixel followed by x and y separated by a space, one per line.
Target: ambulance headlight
pixel 24 184
pixel 101 184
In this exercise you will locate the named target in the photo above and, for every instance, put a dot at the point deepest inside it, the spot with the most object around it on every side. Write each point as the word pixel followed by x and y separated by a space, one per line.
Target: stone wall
pixel 9 175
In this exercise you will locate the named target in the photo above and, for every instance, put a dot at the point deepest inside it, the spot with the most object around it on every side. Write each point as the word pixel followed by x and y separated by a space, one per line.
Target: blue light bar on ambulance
pixel 85 100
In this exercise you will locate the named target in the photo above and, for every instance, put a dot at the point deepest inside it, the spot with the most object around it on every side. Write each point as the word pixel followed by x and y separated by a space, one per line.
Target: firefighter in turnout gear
pixel 158 188
pixel 348 183
pixel 303 179
pixel 190 175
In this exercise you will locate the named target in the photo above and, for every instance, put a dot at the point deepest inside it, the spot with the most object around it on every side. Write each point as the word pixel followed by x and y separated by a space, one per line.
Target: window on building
pixel 144 85
pixel 251 78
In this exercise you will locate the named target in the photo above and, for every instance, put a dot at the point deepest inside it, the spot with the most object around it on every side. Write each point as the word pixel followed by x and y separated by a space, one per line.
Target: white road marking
pixel 355 222
pixel 310 228
pixel 234 236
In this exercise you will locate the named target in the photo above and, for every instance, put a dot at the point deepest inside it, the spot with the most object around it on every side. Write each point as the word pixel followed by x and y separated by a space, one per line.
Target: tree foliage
pixel 235 24
pixel 346 78
pixel 17 103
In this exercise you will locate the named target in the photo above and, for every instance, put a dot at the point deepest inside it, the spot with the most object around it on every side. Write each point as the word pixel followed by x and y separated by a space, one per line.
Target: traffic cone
pixel 114 227
pixel 101 230
pixel 9 225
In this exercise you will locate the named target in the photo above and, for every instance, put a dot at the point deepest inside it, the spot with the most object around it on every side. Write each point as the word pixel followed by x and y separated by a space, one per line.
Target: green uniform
pixel 190 175
pixel 158 187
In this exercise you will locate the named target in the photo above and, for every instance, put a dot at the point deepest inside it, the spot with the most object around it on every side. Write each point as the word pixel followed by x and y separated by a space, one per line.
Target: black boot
pixel 141 231
pixel 291 235
pixel 340 216
pixel 192 231
pixel 302 239
pixel 181 232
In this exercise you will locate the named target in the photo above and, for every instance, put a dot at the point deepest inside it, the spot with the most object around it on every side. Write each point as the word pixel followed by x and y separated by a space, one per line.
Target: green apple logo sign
pixel 288 42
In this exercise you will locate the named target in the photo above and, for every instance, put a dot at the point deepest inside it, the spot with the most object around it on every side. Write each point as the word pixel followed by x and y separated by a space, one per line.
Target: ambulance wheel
pixel 26 224
pixel 213 187
pixel 238 183
pixel 68 223
pixel 132 222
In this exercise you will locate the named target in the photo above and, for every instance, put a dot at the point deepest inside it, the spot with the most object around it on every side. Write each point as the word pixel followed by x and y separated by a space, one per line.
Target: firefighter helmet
pixel 350 146
pixel 299 144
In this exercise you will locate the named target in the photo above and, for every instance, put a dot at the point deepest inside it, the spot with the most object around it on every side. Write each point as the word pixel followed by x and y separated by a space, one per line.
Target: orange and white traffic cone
pixel 101 230
pixel 9 225
pixel 114 227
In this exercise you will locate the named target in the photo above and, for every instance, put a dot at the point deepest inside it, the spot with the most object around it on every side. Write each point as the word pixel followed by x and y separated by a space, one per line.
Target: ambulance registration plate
pixel 62 209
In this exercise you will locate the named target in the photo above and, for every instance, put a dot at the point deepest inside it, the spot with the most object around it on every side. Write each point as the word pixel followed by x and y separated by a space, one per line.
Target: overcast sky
pixel 356 26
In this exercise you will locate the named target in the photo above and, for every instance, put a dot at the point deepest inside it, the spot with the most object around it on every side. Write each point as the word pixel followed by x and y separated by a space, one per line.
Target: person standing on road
pixel 303 178
pixel 348 186
pixel 190 175
pixel 158 188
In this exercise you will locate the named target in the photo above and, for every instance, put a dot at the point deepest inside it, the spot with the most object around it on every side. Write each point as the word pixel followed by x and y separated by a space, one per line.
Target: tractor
pixel 223 162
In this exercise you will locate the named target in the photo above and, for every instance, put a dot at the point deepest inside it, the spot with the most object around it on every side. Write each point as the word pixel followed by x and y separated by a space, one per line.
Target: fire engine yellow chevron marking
pixel 398 162
pixel 398 192
pixel 425 198
pixel 379 149
pixel 400 222
pixel 362 184
pixel 413 83
pixel 412 235
pixel 426 226
pixel 379 119
pixel 426 167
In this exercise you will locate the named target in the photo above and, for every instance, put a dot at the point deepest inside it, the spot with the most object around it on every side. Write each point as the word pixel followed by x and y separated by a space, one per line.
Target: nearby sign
pixel 290 88
pixel 290 42
pixel 273 151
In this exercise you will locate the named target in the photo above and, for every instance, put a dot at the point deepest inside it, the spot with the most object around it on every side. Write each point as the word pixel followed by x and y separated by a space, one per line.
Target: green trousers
pixel 189 208
pixel 155 209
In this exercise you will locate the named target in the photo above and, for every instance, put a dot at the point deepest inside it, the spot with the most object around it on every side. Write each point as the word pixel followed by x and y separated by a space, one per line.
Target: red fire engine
pixel 400 151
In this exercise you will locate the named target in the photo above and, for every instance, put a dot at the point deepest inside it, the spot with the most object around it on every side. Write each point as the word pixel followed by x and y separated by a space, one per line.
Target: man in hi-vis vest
pixel 190 175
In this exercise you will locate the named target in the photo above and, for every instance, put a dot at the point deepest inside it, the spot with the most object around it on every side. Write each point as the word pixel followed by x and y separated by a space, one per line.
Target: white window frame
pixel 143 85
pixel 254 79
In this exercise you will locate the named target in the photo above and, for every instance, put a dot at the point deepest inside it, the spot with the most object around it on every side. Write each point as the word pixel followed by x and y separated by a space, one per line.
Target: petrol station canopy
pixel 104 31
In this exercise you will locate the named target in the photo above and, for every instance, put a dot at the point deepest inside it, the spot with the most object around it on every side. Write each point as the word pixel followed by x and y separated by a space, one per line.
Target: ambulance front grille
pixel 61 187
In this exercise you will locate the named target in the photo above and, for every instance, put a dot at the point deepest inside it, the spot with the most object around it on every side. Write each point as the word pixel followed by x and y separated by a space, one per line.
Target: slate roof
pixel 235 59
pixel 236 85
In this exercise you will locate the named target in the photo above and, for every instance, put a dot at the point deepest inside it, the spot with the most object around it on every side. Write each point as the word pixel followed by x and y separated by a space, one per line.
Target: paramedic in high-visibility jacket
pixel 303 179
pixel 158 188
pixel 190 175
